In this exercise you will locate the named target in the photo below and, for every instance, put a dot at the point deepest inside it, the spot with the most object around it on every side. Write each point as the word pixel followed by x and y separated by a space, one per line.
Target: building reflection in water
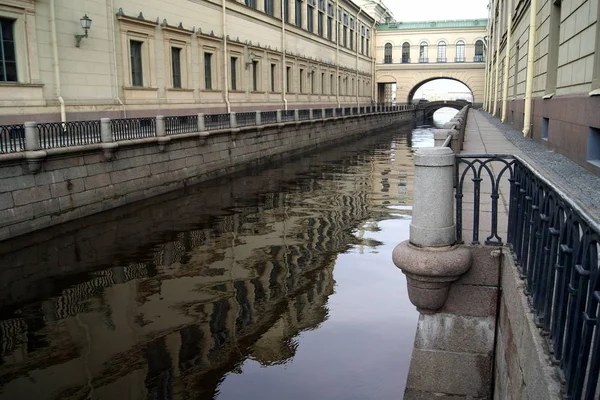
pixel 242 285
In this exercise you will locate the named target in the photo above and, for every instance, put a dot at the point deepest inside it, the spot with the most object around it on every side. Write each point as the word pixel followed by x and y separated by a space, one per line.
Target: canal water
pixel 272 284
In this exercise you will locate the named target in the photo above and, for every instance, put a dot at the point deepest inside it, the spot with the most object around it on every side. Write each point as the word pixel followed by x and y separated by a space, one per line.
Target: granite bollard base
pixel 430 271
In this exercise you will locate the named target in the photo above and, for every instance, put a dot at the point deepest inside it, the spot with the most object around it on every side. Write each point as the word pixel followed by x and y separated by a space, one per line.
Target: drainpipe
pixel 487 61
pixel 225 70
pixel 530 56
pixel 111 16
pixel 337 55
pixel 507 60
pixel 497 69
pixel 356 42
pixel 63 113
pixel 491 64
pixel 283 70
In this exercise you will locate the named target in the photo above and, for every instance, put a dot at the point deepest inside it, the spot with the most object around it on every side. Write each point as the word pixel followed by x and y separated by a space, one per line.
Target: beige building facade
pixel 181 57
pixel 546 81
pixel 410 54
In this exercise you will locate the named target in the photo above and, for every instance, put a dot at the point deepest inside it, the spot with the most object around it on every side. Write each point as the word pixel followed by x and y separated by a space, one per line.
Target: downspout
pixel 225 70
pixel 506 60
pixel 63 113
pixel 497 68
pixel 491 56
pixel 283 70
pixel 356 42
pixel 530 59
pixel 487 61
pixel 337 55
pixel 111 16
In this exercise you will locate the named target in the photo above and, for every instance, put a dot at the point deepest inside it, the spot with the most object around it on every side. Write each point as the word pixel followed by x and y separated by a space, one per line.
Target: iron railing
pixel 303 115
pixel 217 121
pixel 287 115
pixel 317 113
pixel 182 124
pixel 246 118
pixel 329 113
pixel 268 117
pixel 556 247
pixel 66 134
pixel 12 138
pixel 133 128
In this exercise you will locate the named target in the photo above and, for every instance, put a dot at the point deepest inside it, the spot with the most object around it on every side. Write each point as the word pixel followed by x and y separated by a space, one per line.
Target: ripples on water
pixel 274 285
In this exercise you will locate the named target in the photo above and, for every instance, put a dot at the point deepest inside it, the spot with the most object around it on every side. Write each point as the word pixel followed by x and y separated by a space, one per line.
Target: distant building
pixel 376 9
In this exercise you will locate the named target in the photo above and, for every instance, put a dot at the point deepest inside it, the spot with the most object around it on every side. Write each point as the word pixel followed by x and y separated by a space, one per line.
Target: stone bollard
pixel 161 133
pixel 232 120
pixel 343 111
pixel 296 115
pixel 323 113
pixel 33 148
pixel 430 259
pixel 310 114
pixel 258 118
pixel 201 123
pixel 279 119
pixel 106 136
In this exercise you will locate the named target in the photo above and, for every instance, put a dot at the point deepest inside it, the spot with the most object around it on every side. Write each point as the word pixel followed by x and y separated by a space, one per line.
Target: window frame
pixel 208 78
pixel 136 83
pixel 460 51
pixel 176 76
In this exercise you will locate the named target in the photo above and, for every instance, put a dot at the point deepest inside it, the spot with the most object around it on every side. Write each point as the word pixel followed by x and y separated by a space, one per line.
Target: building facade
pixel 409 54
pixel 546 81
pixel 376 9
pixel 147 57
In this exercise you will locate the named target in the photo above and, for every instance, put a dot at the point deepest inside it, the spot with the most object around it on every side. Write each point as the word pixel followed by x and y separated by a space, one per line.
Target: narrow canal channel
pixel 275 284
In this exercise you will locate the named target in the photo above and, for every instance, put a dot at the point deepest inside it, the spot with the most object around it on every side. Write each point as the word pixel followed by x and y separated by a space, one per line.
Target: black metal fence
pixel 556 247
pixel 133 128
pixel 76 133
pixel 181 124
pixel 12 138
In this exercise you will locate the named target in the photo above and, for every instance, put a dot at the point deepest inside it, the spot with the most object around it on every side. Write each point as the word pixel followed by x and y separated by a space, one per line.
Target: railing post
pixel 201 123
pixel 430 259
pixel 32 136
pixel 258 118
pixel 106 135
pixel 323 113
pixel 343 111
pixel 310 113
pixel 160 125
pixel 296 115
pixel 279 119
pixel 232 120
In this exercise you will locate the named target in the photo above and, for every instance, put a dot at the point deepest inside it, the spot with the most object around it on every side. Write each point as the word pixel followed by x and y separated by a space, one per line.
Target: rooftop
pixel 448 24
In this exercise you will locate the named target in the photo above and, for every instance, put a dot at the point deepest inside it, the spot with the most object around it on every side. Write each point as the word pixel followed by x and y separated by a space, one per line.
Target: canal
pixel 273 284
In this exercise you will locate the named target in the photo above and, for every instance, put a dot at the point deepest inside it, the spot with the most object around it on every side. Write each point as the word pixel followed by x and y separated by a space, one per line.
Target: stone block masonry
pixel 78 181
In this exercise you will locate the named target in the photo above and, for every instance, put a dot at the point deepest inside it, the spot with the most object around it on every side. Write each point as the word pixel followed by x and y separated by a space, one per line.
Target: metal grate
pixel 12 138
pixel 133 128
pixel 287 115
pixel 303 115
pixel 181 124
pixel 246 118
pixel 73 133
pixel 268 117
pixel 329 113
pixel 317 113
pixel 217 121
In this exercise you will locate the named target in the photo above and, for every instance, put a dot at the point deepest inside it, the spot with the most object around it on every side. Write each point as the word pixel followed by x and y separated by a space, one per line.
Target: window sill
pixel 179 90
pixel 237 91
pixel 140 88
pixel 19 84
pixel 210 90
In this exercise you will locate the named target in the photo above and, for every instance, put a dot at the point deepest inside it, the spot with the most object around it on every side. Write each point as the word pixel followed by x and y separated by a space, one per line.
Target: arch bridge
pixel 431 107
pixel 410 54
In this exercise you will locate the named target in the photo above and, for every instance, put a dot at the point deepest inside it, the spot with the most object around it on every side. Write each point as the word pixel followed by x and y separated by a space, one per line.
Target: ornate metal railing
pixel 556 247
pixel 12 138
pixel 181 124
pixel 303 115
pixel 268 117
pixel 72 133
pixel 317 113
pixel 217 121
pixel 287 115
pixel 133 128
pixel 329 112
pixel 246 118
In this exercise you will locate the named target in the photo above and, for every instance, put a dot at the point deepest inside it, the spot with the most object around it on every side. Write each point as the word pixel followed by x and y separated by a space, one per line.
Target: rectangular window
pixel 593 146
pixel 351 39
pixel 8 59
pixel 545 124
pixel 320 24
pixel 330 21
pixel 208 71
pixel 273 69
pixel 322 83
pixel 299 13
pixel 553 45
pixel 234 73
pixel 288 79
pixel 176 66
pixel 254 76
pixel 137 77
pixel 309 19
pixel 367 52
pixel 331 82
pixel 286 11
pixel 301 81
pixel 312 83
pixel 362 45
pixel 345 37
pixel 251 3
pixel 269 7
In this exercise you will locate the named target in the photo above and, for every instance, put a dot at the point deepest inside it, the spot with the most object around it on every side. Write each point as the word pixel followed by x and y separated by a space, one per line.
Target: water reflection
pixel 275 279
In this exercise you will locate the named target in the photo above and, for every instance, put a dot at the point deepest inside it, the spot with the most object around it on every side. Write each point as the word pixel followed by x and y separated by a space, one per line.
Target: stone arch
pixel 415 87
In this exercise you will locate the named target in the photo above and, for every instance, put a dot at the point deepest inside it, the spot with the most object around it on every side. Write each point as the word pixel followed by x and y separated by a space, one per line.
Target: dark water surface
pixel 274 284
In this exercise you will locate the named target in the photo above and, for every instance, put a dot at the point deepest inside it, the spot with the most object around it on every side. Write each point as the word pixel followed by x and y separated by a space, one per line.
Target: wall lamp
pixel 312 70
pixel 86 24
pixel 252 57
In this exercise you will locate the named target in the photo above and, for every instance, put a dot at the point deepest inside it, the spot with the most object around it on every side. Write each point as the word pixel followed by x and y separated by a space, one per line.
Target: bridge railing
pixel 13 138
pixel 556 246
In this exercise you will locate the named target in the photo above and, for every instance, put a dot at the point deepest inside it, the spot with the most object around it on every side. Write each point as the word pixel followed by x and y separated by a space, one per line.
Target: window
pixel 387 55
pixel 460 51
pixel 208 71
pixel 301 81
pixel 331 84
pixel 441 56
pixel 516 74
pixel 330 21
pixel 234 73
pixel 322 83
pixel 273 70
pixel 593 146
pixel 351 33
pixel 553 45
pixel 423 52
pixel 8 59
pixel 288 79
pixel 254 76
pixel 368 42
pixel 176 66
pixel 310 26
pixel 286 11
pixel 299 13
pixel 478 51
pixel 545 125
pixel 270 7
pixel 312 82
pixel 405 52
pixel 251 3
pixel 345 31
pixel 135 48
pixel 320 18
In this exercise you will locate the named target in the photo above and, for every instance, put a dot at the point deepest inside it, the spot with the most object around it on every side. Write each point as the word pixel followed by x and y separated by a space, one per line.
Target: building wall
pixel 96 77
pixel 566 68
pixel 408 75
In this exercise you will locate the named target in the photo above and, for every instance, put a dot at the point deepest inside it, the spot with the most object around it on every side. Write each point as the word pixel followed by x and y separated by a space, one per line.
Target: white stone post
pixel 297 113
pixel 430 259
pixel 32 136
pixel 258 118
pixel 232 120
pixel 160 125
pixel 201 123
pixel 279 119
pixel 310 114
pixel 106 131
pixel 323 113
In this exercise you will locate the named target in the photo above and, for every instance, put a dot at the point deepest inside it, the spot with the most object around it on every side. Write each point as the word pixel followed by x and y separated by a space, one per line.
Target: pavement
pixel 487 135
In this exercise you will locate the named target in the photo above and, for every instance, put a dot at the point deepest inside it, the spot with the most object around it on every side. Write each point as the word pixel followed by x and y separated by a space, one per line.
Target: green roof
pixel 449 24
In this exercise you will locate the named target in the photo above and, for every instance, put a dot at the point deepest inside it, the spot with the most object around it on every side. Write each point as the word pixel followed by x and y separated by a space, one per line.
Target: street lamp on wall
pixel 312 70
pixel 252 57
pixel 86 24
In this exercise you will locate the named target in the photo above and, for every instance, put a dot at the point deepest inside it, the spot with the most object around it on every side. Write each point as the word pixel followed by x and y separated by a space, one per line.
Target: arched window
pixel 423 58
pixel 441 56
pixel 460 51
pixel 478 51
pixel 405 52
pixel 387 59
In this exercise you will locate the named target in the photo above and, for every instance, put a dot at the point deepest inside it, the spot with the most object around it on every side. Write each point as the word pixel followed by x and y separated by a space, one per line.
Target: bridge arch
pixel 416 86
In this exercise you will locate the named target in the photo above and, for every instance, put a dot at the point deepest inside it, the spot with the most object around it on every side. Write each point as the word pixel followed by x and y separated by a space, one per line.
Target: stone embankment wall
pixel 79 181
